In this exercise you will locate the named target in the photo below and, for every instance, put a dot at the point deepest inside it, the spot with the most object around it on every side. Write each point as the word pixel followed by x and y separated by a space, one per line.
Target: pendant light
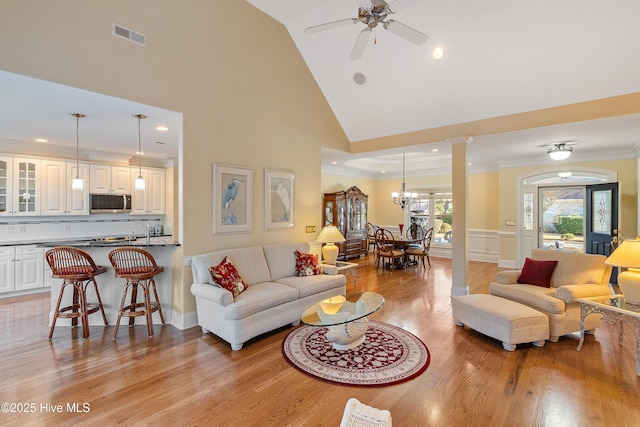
pixel 139 185
pixel 76 182
pixel 403 197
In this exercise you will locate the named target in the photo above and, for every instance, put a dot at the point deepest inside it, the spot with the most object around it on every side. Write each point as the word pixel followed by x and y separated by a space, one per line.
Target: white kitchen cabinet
pixel 21 268
pixel 151 200
pixel 19 186
pixel 58 198
pixel 110 179
pixel 7 269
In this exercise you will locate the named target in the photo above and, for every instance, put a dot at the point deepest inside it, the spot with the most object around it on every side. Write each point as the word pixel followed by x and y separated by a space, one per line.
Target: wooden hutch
pixel 347 210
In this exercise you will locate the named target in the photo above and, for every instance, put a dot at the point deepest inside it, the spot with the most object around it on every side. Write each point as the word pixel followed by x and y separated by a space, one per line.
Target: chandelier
pixel 406 196
pixel 560 151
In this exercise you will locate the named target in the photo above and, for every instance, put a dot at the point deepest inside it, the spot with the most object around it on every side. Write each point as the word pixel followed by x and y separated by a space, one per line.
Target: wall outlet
pixel 510 223
pixel 187 261
pixel 310 228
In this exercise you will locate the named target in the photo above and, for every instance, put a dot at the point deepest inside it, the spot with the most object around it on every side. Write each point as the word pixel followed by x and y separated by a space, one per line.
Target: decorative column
pixel 460 187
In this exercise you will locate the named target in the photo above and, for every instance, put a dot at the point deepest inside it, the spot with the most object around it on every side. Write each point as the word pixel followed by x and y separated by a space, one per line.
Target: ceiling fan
pixel 372 15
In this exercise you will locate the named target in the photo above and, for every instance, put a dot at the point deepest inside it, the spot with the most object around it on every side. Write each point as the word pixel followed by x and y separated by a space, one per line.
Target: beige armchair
pixel 576 275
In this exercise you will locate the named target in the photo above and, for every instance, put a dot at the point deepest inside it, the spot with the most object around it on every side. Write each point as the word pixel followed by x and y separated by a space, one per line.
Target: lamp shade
pixel 627 255
pixel 330 234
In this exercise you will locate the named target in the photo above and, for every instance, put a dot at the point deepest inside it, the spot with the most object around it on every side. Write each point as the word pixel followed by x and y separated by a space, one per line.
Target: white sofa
pixel 576 275
pixel 275 296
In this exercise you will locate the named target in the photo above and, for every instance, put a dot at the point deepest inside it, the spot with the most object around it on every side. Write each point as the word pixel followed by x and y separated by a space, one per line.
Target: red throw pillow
pixel 307 264
pixel 226 276
pixel 537 272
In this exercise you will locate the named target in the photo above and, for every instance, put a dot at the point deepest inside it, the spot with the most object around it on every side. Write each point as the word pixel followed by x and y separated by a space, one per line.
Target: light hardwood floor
pixel 187 378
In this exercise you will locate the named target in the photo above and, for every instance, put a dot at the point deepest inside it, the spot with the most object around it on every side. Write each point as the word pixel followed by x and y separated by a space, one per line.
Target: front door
pixel 601 225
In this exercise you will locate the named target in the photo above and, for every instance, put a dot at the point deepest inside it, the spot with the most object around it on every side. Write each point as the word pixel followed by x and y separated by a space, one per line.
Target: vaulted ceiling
pixel 502 60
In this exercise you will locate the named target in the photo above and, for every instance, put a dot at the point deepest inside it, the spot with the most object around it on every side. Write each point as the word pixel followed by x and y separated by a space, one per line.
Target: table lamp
pixel 627 255
pixel 330 235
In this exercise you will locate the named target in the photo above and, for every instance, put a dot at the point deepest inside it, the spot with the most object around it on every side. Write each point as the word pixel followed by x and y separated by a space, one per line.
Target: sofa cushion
pixel 536 272
pixel 250 263
pixel 226 276
pixel 259 297
pixel 310 285
pixel 575 268
pixel 281 259
pixel 535 297
pixel 307 264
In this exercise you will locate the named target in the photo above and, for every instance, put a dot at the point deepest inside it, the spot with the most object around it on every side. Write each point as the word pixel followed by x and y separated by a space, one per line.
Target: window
pixel 434 210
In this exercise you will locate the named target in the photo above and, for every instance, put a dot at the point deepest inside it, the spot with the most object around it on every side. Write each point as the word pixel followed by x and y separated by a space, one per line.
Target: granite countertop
pixel 111 244
pixel 90 242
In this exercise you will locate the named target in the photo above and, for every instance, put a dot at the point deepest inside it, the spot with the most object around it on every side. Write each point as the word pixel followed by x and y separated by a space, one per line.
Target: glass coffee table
pixel 614 310
pixel 347 319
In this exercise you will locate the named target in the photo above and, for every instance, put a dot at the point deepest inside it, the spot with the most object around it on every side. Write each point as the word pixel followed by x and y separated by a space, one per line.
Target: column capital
pixel 459 139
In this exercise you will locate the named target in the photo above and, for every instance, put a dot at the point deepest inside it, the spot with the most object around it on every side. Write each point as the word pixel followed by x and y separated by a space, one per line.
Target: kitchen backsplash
pixel 38 229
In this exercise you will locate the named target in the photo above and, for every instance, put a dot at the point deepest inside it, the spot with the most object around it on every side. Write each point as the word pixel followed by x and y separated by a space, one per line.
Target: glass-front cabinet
pixel 19 193
pixel 347 210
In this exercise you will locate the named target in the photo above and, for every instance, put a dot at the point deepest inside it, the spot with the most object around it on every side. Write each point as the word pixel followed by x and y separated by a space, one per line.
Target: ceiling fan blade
pixel 396 6
pixel 364 3
pixel 361 43
pixel 406 32
pixel 330 25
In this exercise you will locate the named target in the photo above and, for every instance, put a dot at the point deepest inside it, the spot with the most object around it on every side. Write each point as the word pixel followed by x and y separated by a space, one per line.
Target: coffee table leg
pixel 348 335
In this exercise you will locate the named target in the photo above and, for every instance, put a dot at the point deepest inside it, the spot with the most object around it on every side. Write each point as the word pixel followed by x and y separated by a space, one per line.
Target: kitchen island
pixel 111 287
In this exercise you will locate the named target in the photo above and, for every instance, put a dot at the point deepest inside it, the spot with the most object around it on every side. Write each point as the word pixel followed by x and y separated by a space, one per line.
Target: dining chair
pixel 421 250
pixel 385 248
pixel 371 236
pixel 415 232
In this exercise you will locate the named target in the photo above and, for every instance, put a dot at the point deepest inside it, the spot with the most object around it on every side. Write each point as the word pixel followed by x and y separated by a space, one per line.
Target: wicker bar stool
pixel 139 268
pixel 76 268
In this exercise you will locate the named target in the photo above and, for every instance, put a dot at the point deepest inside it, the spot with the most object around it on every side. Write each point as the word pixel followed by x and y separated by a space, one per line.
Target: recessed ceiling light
pixel 435 150
pixel 383 171
pixel 359 78
pixel 41 140
pixel 139 153
pixel 438 53
pixel 334 163
pixel 162 128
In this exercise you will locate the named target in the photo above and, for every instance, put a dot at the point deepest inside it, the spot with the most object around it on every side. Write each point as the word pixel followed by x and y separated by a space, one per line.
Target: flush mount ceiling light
pixel 560 151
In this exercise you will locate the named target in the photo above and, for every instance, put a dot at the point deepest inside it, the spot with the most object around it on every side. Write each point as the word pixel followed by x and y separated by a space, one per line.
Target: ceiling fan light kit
pixel 372 16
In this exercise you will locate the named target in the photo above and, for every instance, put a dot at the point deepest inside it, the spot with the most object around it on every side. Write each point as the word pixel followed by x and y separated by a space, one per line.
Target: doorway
pixel 553 210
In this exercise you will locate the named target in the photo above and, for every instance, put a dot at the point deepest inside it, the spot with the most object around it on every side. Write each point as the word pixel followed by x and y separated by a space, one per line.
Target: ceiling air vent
pixel 126 33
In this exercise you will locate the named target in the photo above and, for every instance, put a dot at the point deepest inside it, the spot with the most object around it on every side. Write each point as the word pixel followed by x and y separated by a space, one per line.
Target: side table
pixel 614 311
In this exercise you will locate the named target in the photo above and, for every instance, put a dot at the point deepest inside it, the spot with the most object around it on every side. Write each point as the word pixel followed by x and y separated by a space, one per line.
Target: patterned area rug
pixel 389 355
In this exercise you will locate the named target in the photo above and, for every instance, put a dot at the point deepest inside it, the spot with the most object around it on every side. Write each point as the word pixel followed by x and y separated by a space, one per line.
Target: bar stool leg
pixel 147 306
pixel 57 310
pixel 104 316
pixel 84 316
pixel 155 293
pixel 122 303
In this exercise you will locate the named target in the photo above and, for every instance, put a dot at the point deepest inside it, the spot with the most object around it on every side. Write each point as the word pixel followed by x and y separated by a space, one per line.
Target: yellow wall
pixel 483 196
pixel 246 96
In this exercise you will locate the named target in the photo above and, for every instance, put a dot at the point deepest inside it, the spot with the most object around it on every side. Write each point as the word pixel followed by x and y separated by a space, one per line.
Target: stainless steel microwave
pixel 110 203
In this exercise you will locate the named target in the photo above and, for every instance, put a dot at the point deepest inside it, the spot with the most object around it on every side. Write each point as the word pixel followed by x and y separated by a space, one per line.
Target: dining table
pixel 402 243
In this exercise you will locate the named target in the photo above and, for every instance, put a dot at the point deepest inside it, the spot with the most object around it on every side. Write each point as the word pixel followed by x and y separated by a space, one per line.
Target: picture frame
pixel 232 199
pixel 279 192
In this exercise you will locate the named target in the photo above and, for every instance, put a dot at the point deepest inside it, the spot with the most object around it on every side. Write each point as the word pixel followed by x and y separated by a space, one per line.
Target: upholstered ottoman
pixel 505 320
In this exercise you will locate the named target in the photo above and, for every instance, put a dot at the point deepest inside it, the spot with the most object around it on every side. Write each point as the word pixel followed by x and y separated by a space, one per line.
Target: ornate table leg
pixel 634 324
pixel 585 310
